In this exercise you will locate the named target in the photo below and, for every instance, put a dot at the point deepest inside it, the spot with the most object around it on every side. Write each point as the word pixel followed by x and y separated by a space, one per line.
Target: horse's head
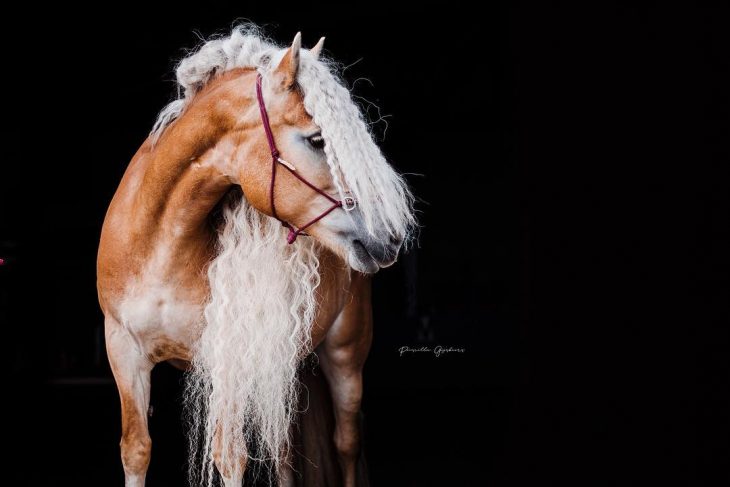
pixel 330 157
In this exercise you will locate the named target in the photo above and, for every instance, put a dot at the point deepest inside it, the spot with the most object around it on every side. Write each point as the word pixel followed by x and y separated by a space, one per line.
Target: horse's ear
pixel 317 49
pixel 288 67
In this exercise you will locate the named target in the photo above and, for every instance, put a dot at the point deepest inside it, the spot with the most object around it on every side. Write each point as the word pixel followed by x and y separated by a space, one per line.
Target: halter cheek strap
pixel 294 232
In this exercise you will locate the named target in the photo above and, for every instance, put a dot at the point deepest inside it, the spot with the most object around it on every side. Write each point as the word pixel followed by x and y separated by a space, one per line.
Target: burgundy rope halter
pixel 348 205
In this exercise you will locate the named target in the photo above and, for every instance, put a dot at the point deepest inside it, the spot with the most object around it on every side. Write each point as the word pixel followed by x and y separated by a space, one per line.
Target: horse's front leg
pixel 342 357
pixel 131 370
pixel 231 466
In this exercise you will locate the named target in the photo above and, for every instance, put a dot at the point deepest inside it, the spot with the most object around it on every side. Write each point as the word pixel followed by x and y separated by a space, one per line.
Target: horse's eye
pixel 316 141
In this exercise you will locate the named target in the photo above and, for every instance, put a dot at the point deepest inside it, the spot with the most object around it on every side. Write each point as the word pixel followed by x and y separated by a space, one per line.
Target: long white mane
pixel 258 321
pixel 243 389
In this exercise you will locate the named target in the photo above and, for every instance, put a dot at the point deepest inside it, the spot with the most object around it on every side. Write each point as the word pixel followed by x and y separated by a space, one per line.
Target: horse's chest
pixel 164 324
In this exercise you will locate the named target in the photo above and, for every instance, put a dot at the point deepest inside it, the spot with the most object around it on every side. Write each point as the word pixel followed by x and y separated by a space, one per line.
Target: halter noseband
pixel 294 232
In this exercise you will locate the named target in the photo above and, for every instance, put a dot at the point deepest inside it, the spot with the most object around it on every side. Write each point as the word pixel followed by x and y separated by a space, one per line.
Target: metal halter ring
pixel 349 203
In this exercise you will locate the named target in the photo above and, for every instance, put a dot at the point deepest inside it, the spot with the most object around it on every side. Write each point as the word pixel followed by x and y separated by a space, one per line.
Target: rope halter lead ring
pixel 348 204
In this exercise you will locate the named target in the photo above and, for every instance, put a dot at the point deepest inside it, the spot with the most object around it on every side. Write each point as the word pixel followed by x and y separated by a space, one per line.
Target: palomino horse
pixel 195 269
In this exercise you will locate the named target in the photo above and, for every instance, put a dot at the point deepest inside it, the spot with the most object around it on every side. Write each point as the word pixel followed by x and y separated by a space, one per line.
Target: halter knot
pixel 292 236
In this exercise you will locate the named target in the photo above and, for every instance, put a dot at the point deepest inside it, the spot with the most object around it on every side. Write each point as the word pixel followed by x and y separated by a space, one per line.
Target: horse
pixel 243 237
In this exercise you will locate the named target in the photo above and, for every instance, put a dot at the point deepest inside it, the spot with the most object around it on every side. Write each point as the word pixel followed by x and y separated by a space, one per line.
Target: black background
pixel 572 166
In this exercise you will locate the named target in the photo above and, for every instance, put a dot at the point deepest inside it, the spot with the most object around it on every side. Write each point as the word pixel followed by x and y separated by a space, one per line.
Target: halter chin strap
pixel 348 205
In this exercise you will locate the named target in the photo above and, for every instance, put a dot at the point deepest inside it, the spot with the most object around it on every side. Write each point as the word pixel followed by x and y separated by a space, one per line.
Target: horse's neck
pixel 184 175
pixel 178 193
pixel 170 189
